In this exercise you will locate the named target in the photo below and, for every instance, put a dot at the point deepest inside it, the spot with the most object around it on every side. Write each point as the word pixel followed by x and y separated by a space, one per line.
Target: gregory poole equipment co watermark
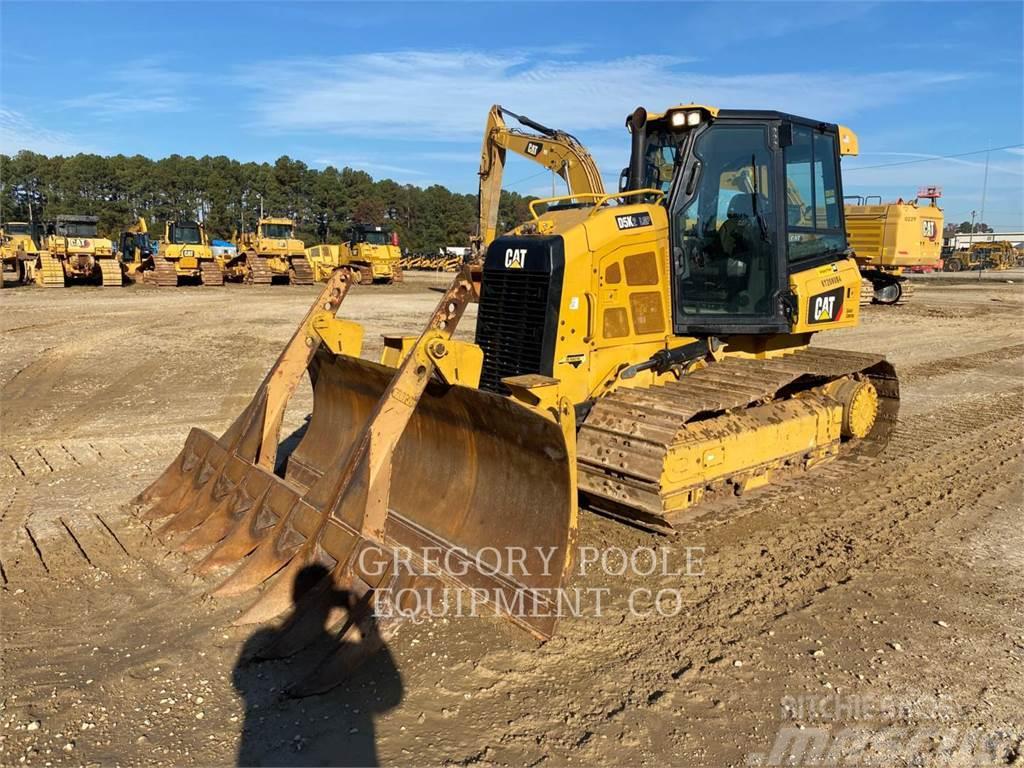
pixel 439 598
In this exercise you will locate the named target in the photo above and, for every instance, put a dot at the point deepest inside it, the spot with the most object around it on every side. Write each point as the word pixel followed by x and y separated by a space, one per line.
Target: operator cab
pixel 184 233
pixel 751 196
pixel 365 233
pixel 276 231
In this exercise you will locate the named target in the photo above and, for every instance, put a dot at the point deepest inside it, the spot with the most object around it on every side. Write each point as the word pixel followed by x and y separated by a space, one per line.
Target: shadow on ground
pixel 284 727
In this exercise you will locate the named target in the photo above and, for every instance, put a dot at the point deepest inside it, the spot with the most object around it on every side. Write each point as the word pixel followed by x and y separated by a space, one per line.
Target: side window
pixel 813 219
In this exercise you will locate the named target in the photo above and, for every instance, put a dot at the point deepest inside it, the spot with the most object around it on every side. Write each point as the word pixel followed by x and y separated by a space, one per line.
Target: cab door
pixel 729 274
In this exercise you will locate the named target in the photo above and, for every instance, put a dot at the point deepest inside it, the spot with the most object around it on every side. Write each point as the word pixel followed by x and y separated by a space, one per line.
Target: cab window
pixel 813 218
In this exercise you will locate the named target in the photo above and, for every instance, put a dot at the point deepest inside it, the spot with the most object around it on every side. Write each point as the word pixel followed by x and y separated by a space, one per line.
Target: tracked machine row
pixel 645 350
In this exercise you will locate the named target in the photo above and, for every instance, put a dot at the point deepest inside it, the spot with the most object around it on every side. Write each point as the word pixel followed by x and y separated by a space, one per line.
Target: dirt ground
pixel 873 610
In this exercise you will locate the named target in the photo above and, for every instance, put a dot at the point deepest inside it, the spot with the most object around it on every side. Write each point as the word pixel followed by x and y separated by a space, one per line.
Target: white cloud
pixel 17 132
pixel 446 94
pixel 142 86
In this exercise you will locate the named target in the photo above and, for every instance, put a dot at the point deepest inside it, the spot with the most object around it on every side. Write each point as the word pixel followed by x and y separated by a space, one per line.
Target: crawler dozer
pixel 370 253
pixel 18 250
pixel 72 252
pixel 892 237
pixel 644 352
pixel 183 253
pixel 271 252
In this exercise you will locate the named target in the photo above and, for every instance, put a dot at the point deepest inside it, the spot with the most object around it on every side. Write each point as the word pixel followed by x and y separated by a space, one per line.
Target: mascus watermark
pixel 868 730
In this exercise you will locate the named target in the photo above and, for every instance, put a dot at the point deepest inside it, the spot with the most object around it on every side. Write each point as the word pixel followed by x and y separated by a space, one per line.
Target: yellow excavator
pixel 642 352
pixel 183 252
pixel 18 250
pixel 270 251
pixel 556 150
pixel 888 238
pixel 71 251
pixel 370 253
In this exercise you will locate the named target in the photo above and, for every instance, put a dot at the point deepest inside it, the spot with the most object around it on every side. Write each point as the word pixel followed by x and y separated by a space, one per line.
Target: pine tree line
pixel 119 189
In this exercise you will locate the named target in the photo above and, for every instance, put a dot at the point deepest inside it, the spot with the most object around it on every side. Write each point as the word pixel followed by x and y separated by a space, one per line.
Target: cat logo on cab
pixel 515 258
pixel 826 307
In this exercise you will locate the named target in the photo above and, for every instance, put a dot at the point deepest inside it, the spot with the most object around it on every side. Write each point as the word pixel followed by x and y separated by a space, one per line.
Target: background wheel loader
pixel 370 253
pixel 184 252
pixel 72 252
pixel 18 250
pixel 892 237
pixel 996 255
pixel 644 352
pixel 270 252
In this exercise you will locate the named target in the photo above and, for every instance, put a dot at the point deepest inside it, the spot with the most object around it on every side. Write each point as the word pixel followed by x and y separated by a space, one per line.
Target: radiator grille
pixel 510 325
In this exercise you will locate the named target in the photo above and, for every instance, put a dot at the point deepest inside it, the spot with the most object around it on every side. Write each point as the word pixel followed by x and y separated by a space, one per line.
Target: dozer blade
pixel 405 491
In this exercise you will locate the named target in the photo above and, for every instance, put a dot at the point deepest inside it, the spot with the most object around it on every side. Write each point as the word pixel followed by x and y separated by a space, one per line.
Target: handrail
pixel 601 198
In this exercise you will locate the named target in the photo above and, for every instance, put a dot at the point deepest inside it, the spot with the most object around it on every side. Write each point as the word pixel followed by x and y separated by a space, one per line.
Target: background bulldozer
pixel 892 237
pixel 184 252
pixel 370 253
pixel 644 351
pixel 71 251
pixel 268 253
pixel 18 250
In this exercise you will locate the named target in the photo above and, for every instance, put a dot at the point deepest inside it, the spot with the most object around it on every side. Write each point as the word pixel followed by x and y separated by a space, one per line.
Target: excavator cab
pixel 736 236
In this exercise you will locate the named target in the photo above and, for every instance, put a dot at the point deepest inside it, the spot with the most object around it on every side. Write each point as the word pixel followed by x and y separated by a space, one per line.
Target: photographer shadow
pixel 337 727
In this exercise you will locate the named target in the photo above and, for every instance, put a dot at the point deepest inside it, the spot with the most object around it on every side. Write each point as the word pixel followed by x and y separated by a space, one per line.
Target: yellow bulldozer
pixel 184 253
pixel 892 237
pixel 641 352
pixel 269 252
pixel 370 253
pixel 72 252
pixel 18 250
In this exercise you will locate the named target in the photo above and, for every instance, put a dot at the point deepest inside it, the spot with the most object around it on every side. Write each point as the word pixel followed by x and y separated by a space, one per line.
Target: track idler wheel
pixel 859 399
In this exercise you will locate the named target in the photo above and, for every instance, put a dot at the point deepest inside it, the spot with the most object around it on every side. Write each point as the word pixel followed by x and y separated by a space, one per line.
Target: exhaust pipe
pixel 637 124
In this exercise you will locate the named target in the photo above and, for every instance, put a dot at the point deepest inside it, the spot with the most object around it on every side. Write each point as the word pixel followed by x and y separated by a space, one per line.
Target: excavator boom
pixel 556 150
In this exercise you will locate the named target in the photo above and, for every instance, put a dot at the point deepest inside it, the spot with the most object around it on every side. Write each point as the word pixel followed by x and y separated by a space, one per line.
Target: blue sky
pixel 402 90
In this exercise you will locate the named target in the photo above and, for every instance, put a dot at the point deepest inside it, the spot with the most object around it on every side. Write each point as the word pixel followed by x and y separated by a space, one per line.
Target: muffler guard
pixel 404 490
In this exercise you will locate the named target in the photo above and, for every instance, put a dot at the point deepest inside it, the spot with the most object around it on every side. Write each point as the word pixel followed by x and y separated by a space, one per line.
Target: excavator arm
pixel 556 150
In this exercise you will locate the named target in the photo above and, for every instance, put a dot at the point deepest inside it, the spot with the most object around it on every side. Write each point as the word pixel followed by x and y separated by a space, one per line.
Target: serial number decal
pixel 633 220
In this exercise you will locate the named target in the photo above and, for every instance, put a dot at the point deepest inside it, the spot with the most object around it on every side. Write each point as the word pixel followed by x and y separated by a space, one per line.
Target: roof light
pixel 678 119
pixel 693 118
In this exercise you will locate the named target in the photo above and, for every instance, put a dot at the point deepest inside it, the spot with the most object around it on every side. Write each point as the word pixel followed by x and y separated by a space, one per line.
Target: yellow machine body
pixel 18 250
pixel 893 236
pixel 72 252
pixel 997 255
pixel 269 252
pixel 641 351
pixel 370 253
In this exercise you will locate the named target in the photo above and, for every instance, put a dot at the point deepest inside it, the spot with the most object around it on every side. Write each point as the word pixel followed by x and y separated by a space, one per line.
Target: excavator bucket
pixel 408 493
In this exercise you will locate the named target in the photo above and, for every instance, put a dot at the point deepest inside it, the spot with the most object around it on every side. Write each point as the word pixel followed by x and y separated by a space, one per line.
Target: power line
pixel 930 159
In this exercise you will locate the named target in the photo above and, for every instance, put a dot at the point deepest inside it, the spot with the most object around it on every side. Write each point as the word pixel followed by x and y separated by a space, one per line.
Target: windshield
pixel 77 229
pixel 185 233
pixel 277 231
pixel 375 238
pixel 17 229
